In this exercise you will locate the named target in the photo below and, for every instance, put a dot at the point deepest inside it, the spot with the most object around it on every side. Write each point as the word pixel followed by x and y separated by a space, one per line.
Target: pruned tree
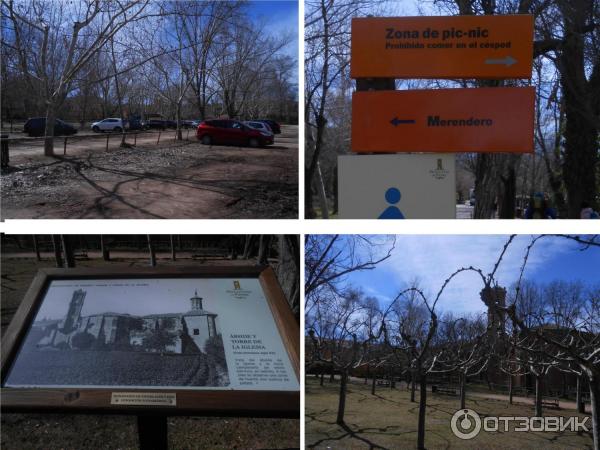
pixel 342 330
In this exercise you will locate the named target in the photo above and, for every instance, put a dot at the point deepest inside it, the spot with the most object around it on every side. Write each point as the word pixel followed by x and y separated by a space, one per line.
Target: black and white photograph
pixel 112 332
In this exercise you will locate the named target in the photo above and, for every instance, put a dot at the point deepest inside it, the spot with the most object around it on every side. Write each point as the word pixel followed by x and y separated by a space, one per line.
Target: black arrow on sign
pixel 395 121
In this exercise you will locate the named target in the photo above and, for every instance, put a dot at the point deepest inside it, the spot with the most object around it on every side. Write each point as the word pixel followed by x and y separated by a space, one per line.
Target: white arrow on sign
pixel 508 61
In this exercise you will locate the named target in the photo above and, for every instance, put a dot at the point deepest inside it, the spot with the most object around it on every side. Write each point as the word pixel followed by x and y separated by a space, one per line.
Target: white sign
pixel 184 333
pixel 403 186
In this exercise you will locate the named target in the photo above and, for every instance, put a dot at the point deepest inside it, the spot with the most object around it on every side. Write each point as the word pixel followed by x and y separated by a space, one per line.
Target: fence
pixel 129 138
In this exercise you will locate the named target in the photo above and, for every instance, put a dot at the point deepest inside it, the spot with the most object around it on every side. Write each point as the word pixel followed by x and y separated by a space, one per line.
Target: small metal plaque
pixel 143 398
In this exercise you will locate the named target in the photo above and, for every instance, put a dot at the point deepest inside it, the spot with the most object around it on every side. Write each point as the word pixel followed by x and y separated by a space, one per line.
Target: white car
pixel 111 124
pixel 260 126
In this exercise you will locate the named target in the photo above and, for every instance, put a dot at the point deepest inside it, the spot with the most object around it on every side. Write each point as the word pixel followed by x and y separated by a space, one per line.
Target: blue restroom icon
pixel 392 196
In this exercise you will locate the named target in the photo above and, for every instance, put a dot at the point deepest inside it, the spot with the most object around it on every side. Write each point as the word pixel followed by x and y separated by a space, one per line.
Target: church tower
pixel 492 297
pixel 74 312
pixel 196 302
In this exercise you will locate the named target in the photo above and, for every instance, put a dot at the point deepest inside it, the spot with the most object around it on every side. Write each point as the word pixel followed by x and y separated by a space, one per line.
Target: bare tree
pixel 42 30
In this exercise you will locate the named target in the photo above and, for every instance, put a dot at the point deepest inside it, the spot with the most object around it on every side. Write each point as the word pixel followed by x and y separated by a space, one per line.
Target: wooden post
pixel 135 139
pixel 158 140
pixel 107 136
pixel 187 136
pixel 65 149
pixel 152 432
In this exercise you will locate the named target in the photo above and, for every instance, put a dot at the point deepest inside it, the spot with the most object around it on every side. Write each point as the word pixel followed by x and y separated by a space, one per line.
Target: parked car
pixel 36 126
pixel 272 124
pixel 156 124
pixel 188 124
pixel 112 124
pixel 260 126
pixel 135 124
pixel 170 124
pixel 233 132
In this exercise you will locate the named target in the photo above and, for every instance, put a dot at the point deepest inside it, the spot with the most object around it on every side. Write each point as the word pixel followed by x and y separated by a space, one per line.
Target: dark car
pixel 272 124
pixel 136 124
pixel 170 124
pixel 37 127
pixel 232 132
pixel 156 124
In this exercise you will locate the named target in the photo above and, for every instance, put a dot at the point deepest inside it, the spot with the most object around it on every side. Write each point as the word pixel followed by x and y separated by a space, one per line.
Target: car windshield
pixel 256 124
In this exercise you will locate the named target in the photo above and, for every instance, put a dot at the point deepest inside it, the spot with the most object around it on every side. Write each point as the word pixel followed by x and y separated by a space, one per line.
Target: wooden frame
pixel 189 402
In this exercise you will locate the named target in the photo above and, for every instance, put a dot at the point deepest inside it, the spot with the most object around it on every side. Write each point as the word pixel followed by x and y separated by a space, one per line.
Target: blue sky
pixel 280 17
pixel 431 259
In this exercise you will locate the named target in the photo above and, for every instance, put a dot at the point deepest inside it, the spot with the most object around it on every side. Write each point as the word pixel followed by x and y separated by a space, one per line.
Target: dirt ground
pixel 388 420
pixel 71 431
pixel 172 180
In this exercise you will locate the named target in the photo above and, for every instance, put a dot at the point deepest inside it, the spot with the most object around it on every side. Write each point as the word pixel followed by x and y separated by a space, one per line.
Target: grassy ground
pixel 71 431
pixel 388 420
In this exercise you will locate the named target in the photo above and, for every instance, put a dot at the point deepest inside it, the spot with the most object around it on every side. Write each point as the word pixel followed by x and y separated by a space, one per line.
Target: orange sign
pixel 442 47
pixel 444 120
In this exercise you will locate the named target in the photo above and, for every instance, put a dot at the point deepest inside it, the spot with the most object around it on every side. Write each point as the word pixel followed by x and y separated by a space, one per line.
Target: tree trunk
pixel 49 132
pixel 321 191
pixel 342 402
pixel 486 183
pixel 332 375
pixel 178 120
pixel 118 92
pixel 579 398
pixel 248 246
pixel 57 250
pixel 334 187
pixel 263 249
pixel 507 205
pixel 422 412
pixel 67 250
pixel 373 384
pixel 412 388
pixel 510 389
pixel 538 397
pixel 595 402
pixel 581 129
pixel 104 249
pixel 36 248
pixel 288 270
pixel 462 390
pixel 322 376
pixel 173 256
pixel 152 252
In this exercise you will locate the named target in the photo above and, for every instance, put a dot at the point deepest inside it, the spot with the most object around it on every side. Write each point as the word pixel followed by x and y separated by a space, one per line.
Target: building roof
pixel 199 312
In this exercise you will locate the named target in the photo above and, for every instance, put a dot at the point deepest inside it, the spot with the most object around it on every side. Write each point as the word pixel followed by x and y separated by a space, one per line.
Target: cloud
pixel 431 259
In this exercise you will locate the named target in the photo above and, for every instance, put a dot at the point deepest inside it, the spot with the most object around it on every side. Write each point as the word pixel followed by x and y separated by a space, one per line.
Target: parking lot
pixel 171 179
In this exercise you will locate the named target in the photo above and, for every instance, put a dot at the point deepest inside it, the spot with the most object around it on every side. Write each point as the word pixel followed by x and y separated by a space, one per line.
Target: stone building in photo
pixel 186 332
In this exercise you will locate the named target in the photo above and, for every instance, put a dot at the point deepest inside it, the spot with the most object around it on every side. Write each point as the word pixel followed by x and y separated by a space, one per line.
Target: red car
pixel 232 132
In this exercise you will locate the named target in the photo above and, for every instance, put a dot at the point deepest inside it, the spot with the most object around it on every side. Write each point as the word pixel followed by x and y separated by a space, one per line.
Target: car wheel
pixel 206 140
pixel 118 129
pixel 96 129
pixel 253 142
